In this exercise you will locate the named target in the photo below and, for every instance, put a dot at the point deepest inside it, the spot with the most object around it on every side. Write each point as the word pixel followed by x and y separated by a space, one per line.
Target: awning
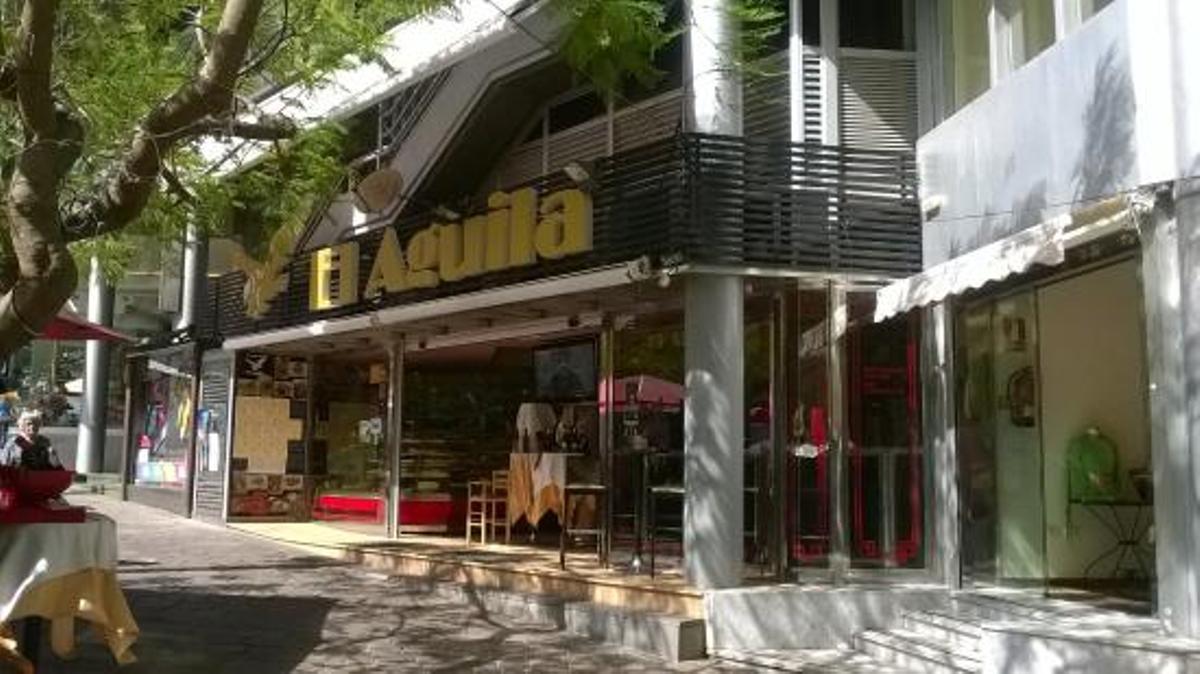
pixel 1043 244
pixel 67 326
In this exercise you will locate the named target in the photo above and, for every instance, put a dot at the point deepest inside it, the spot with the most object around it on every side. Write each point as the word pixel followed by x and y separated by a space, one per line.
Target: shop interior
pixel 504 437
pixel 1054 437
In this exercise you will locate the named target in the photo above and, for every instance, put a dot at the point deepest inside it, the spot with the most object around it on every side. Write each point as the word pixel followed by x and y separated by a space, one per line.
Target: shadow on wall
pixel 1104 167
pixel 1109 152
pixel 1028 211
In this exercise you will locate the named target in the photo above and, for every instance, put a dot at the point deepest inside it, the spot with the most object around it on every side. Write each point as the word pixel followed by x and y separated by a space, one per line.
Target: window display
pixel 162 438
pixel 268 467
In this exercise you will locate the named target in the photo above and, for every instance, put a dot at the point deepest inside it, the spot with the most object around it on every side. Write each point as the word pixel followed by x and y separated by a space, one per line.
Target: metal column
pixel 839 491
pixel 93 425
pixel 941 466
pixel 782 369
pixel 714 332
pixel 607 411
pixel 195 268
pixel 395 431
pixel 796 69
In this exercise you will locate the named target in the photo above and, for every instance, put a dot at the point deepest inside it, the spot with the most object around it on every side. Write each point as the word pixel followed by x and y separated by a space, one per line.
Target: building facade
pixel 765 336
pixel 1055 162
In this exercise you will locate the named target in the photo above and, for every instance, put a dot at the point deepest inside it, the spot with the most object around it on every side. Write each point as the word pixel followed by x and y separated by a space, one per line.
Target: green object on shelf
pixel 1093 468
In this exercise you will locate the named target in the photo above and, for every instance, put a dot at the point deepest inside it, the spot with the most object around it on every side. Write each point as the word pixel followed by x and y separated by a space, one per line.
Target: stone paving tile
pixel 210 600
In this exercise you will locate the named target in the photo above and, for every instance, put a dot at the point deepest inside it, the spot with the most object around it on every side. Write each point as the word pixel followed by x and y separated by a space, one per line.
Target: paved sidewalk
pixel 211 600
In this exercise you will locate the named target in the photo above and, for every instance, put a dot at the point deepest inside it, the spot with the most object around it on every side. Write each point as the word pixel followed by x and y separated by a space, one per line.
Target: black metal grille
pixel 688 199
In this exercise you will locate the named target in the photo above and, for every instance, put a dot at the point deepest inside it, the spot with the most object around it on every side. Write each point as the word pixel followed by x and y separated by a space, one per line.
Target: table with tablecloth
pixel 63 571
pixel 536 482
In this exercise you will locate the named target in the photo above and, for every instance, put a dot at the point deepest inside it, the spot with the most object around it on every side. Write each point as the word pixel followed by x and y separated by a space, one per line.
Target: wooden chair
pixel 497 502
pixel 477 508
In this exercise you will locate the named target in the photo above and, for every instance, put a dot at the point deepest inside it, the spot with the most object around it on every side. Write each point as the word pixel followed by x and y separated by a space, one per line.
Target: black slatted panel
pixel 694 198
pixel 647 121
pixel 214 396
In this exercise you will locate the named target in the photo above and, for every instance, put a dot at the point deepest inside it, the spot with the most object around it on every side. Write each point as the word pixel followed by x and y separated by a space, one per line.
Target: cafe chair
pixel 497 505
pixel 477 508
pixel 571 528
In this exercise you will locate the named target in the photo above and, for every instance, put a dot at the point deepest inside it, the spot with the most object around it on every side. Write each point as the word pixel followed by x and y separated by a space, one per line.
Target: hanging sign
pixel 518 230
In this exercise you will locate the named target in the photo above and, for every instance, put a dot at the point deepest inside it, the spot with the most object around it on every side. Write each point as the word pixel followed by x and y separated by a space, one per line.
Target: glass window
pixel 648 388
pixel 1028 26
pixel 876 24
pixel 968 70
pixel 163 420
pixel 1079 12
pixel 809 470
pixel 268 464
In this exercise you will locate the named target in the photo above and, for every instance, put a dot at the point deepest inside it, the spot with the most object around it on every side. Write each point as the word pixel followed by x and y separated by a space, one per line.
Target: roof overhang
pixel 1043 244
pixel 399 318
pixel 411 51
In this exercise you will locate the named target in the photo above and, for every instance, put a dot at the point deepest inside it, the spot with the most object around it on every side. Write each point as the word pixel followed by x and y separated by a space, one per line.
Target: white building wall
pixel 1102 111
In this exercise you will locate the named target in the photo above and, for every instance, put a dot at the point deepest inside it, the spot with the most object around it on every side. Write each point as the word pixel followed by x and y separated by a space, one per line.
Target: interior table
pixel 58 572
pixel 535 486
pixel 1128 534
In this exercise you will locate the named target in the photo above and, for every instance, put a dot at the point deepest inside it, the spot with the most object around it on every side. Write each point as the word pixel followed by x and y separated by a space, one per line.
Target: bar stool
pixel 657 492
pixel 497 504
pixel 598 530
pixel 477 508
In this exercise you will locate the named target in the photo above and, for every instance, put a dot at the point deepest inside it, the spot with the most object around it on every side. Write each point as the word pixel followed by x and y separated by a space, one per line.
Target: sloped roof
pixel 412 50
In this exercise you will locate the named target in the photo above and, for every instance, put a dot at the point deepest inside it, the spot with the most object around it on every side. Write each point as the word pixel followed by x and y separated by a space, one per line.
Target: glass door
pixel 999 443
pixel 809 456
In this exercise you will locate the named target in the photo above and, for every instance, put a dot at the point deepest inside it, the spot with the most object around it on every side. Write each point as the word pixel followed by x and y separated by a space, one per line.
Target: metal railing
pixel 689 199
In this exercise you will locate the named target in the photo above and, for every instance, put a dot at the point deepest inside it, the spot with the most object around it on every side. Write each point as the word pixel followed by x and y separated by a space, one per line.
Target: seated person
pixel 29 449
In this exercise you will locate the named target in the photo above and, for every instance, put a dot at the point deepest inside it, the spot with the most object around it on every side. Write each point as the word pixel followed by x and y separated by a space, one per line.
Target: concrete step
pixel 915 652
pixel 958 632
pixel 670 637
pixel 1020 606
pixel 820 661
pixel 673 638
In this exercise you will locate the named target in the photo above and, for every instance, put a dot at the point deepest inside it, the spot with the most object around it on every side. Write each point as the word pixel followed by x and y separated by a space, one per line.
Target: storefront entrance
pixel 855 466
pixel 1052 434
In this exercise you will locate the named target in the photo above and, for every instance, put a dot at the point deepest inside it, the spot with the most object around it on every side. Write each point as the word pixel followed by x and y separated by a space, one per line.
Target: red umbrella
pixel 67 326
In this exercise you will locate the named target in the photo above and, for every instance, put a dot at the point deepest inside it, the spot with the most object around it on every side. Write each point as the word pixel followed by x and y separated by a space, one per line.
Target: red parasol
pixel 67 326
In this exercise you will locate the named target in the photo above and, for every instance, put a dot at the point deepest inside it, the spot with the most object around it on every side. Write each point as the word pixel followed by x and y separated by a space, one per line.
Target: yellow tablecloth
pixel 92 595
pixel 535 486
pixel 61 572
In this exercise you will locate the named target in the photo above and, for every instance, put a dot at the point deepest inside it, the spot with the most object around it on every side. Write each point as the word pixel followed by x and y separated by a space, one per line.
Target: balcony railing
pixel 737 203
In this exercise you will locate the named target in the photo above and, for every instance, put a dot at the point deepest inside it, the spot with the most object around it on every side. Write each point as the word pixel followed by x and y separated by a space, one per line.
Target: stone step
pixel 819 661
pixel 670 637
pixel 915 652
pixel 1019 606
pixel 960 633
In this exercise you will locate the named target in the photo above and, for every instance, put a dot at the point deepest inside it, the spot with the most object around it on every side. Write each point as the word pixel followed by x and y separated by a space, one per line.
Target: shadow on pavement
pixel 183 631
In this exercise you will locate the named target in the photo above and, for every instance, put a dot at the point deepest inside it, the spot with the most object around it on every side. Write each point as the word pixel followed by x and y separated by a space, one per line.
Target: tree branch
pixel 34 55
pixel 46 274
pixel 209 95
pixel 178 188
pixel 265 128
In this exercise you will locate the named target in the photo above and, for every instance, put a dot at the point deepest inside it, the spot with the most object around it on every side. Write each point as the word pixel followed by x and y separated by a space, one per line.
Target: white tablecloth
pixel 31 554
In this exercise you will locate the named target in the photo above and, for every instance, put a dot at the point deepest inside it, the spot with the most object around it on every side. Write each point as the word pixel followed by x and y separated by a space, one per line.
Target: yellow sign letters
pixel 516 231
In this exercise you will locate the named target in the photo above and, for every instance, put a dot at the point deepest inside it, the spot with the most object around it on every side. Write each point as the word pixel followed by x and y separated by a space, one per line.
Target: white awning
pixel 1043 244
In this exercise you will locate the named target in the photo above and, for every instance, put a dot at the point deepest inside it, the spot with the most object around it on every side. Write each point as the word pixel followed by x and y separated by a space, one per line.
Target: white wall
pixel 1104 110
pixel 1092 373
